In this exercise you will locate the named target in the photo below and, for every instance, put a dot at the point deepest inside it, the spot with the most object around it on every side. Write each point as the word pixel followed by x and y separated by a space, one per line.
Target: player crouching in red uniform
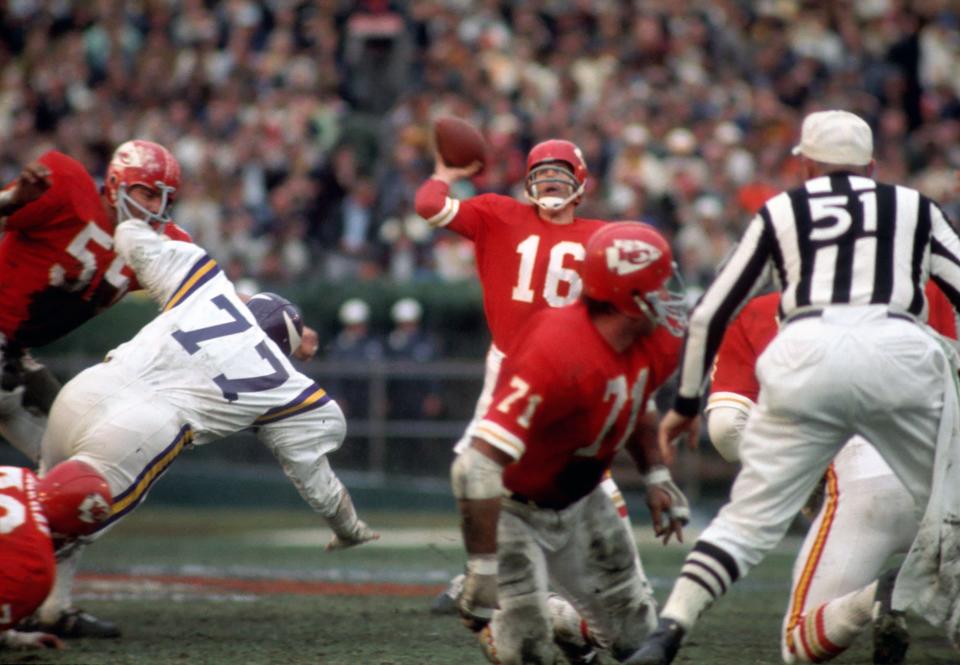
pixel 573 391
pixel 71 500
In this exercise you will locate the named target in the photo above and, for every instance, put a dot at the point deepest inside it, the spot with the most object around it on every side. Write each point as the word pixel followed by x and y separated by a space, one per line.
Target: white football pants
pixel 853 370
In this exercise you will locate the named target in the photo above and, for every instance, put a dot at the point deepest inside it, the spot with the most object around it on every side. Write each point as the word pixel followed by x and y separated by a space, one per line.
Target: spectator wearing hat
pixel 354 343
pixel 412 398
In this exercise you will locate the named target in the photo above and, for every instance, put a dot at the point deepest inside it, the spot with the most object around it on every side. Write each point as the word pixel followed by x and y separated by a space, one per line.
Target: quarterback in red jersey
pixel 529 255
pixel 71 500
pixel 528 484
pixel 57 264
pixel 849 542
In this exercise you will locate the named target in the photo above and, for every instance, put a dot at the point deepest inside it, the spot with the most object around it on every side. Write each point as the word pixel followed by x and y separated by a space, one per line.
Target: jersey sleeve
pixel 301 435
pixel 940 313
pixel 733 378
pixel 527 398
pixel 161 265
pixel 434 203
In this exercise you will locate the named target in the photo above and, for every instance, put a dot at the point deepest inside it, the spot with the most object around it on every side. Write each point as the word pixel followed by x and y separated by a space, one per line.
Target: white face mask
pixel 127 206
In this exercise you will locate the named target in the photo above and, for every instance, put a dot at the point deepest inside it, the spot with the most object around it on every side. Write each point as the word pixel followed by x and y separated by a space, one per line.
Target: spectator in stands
pixel 355 343
pixel 412 398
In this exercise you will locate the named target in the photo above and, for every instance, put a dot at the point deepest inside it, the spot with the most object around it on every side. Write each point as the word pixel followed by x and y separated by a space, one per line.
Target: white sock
pixel 61 595
pixel 707 573
pixel 686 603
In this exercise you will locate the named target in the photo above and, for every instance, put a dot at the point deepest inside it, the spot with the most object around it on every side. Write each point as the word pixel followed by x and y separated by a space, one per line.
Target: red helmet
pixel 75 498
pixel 628 264
pixel 143 163
pixel 572 172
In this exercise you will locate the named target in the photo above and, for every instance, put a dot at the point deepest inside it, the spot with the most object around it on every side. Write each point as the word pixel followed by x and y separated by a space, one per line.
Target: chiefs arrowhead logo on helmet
pixel 75 498
pixel 94 509
pixel 629 265
pixel 628 255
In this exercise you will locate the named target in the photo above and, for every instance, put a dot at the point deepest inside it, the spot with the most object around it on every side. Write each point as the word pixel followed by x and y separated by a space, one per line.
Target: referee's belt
pixel 817 312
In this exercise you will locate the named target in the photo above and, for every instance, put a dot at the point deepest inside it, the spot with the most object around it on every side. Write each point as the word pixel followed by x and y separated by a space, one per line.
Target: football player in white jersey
pixel 204 368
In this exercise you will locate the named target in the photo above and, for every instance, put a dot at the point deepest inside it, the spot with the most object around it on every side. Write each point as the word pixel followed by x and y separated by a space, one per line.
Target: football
pixel 458 142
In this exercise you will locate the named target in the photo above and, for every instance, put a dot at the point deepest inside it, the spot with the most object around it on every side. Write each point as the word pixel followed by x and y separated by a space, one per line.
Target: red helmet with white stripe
pixel 630 265
pixel 556 174
pixel 149 165
pixel 75 498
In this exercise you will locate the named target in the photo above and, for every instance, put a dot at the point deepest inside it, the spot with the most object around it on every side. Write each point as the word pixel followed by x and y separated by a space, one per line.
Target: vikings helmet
pixel 75 498
pixel 555 156
pixel 143 163
pixel 279 318
pixel 629 265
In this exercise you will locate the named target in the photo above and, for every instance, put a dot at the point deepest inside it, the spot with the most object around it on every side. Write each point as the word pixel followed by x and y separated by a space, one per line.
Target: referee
pixel 851 256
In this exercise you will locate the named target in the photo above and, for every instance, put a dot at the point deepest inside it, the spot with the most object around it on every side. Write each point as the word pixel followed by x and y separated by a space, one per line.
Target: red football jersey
pixel 749 333
pixel 27 564
pixel 566 402
pixel 524 263
pixel 57 264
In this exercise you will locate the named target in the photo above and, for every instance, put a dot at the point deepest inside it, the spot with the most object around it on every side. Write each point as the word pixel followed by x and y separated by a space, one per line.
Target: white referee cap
pixel 835 137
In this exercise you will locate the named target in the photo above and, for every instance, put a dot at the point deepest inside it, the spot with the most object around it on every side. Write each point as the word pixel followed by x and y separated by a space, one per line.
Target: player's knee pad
pixel 725 427
pixel 473 475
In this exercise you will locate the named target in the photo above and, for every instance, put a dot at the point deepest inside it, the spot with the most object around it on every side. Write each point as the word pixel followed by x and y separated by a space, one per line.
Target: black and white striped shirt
pixel 838 239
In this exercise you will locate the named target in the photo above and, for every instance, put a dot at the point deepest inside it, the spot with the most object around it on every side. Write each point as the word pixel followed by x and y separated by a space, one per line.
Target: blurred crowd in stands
pixel 304 127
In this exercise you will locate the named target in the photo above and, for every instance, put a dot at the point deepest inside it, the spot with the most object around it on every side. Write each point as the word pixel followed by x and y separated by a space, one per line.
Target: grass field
pixel 216 586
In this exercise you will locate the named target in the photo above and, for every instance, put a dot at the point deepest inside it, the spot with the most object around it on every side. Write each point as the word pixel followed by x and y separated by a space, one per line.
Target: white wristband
pixel 657 475
pixel 482 564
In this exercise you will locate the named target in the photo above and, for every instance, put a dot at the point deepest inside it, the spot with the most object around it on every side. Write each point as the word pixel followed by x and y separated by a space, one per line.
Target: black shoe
pixel 73 624
pixel 891 639
pixel 660 647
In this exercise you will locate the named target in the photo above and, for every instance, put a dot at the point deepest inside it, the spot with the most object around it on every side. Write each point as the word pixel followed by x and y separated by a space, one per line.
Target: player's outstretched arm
pixel 348 529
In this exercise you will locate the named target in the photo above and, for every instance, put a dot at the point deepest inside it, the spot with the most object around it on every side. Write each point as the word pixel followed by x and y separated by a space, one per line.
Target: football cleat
pixel 891 639
pixel 446 600
pixel 73 624
pixel 660 647
pixel 569 632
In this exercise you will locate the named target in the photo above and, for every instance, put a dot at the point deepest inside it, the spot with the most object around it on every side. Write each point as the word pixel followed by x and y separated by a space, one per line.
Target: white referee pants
pixel 853 370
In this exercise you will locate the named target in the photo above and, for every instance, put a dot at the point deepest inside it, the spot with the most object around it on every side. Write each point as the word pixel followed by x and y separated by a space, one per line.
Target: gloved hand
pixel 348 529
pixel 665 500
pixel 478 599
pixel 360 533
